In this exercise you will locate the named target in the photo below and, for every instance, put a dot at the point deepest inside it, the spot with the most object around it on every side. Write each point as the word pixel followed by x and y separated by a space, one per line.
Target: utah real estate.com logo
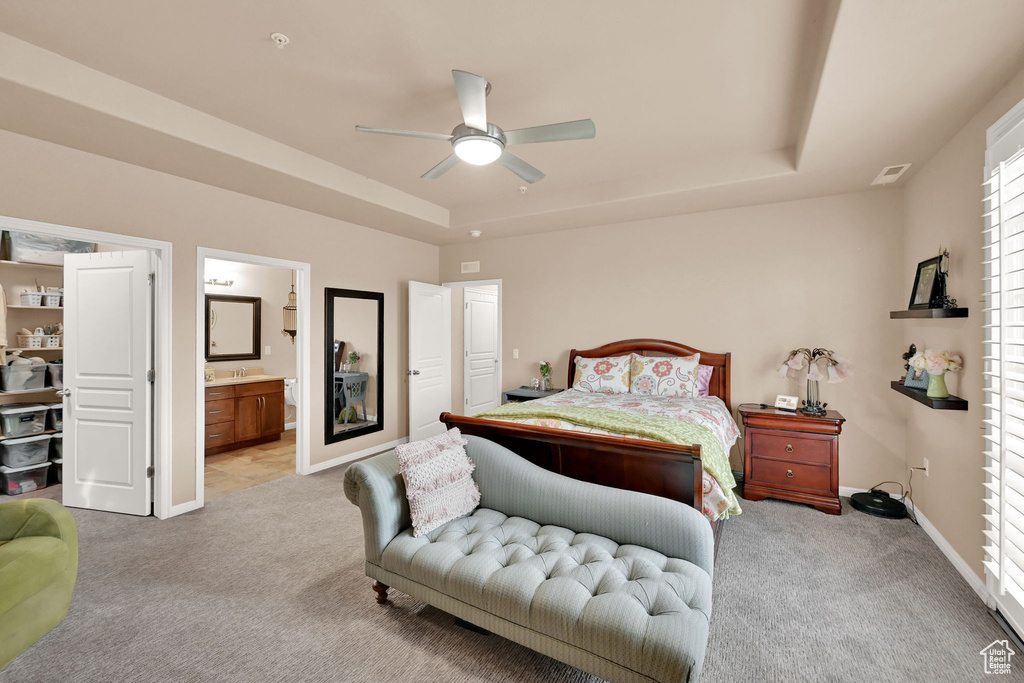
pixel 997 657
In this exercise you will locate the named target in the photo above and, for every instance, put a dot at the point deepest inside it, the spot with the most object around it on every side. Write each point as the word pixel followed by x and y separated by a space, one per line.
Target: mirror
pixel 353 363
pixel 232 327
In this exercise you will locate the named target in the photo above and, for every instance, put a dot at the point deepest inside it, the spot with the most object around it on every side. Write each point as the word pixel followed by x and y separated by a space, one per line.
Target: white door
pixel 430 358
pixel 482 355
pixel 108 350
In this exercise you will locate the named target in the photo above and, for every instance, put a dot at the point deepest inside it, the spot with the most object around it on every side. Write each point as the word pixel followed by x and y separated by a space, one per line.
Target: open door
pixel 108 404
pixel 482 356
pixel 430 358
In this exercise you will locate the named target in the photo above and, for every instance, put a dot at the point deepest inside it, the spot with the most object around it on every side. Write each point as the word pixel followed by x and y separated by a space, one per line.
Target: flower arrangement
pixel 936 362
pixel 837 368
pixel 354 357
pixel 545 368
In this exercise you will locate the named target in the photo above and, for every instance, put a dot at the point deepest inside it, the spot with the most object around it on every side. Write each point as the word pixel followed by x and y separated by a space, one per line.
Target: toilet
pixel 289 392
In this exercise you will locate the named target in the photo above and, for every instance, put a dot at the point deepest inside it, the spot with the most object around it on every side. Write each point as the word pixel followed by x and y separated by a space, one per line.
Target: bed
pixel 664 469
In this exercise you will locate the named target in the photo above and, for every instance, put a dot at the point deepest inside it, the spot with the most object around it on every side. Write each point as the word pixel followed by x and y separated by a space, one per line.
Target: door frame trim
pixel 469 284
pixel 162 348
pixel 303 272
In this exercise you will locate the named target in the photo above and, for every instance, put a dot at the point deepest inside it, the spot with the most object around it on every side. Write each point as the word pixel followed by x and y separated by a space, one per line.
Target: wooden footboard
pixel 661 469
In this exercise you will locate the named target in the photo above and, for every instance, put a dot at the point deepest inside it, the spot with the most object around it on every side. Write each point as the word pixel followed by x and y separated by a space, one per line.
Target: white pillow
pixel 438 480
pixel 665 375
pixel 602 375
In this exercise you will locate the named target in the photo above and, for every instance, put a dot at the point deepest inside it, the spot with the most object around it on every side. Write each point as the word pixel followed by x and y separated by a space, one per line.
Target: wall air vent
pixel 470 266
pixel 890 174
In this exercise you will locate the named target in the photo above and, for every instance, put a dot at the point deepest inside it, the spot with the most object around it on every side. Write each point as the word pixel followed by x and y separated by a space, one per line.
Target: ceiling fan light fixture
pixel 478 150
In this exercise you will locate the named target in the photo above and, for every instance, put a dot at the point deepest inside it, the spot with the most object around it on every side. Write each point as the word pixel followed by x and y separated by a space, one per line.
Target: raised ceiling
pixel 697 105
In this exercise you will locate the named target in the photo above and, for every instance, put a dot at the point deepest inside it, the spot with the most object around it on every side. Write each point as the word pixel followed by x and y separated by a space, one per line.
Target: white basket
pixel 31 298
pixel 31 341
pixel 51 299
pixel 51 341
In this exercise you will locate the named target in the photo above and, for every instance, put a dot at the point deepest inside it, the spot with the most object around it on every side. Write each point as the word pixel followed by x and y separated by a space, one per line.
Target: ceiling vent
pixel 890 174
pixel 470 266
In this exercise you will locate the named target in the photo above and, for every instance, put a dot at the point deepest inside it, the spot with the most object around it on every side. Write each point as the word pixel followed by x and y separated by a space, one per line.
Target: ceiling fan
pixel 479 142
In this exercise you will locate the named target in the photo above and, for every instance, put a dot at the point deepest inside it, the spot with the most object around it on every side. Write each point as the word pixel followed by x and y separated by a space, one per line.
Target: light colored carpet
pixel 266 584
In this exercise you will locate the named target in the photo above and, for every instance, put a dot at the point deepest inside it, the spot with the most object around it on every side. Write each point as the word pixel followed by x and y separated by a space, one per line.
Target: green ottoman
pixel 38 566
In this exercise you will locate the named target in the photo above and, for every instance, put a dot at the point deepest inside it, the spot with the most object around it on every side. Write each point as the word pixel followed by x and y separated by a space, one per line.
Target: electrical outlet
pixel 926 467
pixel 515 353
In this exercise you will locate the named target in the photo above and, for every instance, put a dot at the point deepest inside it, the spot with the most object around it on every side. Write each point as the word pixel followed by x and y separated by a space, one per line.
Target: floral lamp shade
pixel 836 369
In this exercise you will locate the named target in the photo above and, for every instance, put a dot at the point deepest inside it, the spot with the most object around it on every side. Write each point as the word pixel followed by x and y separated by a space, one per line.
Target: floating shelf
pixel 921 396
pixel 930 313
pixel 34 265
pixel 38 308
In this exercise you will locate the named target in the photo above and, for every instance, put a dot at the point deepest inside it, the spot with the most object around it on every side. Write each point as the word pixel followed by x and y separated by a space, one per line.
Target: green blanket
pixel 653 427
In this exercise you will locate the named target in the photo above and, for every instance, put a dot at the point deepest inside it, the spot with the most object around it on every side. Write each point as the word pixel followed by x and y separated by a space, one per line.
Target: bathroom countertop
pixel 248 379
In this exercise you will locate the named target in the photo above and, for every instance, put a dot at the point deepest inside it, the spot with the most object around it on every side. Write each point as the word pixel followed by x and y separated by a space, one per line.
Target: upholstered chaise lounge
pixel 614 582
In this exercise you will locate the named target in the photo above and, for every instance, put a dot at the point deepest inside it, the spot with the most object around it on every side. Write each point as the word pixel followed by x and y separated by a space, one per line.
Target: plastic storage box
pixel 56 446
pixel 51 299
pixel 28 450
pixel 56 473
pixel 17 480
pixel 21 419
pixel 55 374
pixel 45 248
pixel 31 341
pixel 55 416
pixel 31 298
pixel 22 377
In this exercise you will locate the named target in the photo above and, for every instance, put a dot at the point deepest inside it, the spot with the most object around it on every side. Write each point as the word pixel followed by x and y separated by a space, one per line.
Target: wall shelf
pixel 921 396
pixel 930 313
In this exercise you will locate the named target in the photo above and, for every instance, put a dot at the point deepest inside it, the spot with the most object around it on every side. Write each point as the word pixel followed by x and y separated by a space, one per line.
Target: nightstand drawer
pixel 791 474
pixel 788 446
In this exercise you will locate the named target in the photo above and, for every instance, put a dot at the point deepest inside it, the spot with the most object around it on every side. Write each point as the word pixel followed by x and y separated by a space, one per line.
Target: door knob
pixel 64 392
pixel 414 372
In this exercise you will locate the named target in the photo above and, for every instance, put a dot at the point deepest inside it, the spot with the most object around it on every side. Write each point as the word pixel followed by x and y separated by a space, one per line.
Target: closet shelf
pixel 921 396
pixel 25 348
pixel 33 265
pixel 38 308
pixel 930 313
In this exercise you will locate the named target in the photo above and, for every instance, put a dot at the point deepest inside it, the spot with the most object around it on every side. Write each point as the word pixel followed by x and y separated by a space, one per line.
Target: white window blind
pixel 1003 386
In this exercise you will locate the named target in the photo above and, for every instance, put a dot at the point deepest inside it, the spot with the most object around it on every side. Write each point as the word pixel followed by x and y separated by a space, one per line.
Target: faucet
pixel 238 372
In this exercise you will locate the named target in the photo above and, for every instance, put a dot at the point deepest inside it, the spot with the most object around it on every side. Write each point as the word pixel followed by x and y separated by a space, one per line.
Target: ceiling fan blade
pixel 406 133
pixel 571 130
pixel 520 167
pixel 472 91
pixel 442 167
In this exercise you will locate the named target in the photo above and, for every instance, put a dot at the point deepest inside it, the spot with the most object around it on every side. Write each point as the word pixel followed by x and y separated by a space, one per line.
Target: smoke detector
pixel 890 174
pixel 279 39
pixel 474 233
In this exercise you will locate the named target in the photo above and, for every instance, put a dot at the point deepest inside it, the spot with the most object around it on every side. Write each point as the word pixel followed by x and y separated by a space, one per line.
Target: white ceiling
pixel 697 105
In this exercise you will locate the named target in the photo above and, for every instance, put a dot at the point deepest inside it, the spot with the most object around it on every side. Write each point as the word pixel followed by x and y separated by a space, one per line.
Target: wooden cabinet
pixel 242 415
pixel 792 457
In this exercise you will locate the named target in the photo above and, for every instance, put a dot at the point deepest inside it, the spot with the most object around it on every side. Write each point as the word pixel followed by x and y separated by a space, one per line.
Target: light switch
pixel 515 353
pixel 266 351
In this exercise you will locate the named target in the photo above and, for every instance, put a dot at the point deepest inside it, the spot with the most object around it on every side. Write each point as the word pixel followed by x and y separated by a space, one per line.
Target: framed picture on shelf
pixel 916 379
pixel 927 284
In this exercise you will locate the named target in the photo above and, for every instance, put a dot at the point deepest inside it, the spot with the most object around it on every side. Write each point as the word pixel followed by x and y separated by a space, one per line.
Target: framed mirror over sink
pixel 353 363
pixel 232 327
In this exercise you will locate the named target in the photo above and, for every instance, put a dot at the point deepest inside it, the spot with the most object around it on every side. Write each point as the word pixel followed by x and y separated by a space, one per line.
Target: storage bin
pixel 45 248
pixel 56 446
pixel 56 473
pixel 52 341
pixel 17 480
pixel 22 419
pixel 28 450
pixel 55 375
pixel 31 298
pixel 31 341
pixel 54 416
pixel 22 377
pixel 51 299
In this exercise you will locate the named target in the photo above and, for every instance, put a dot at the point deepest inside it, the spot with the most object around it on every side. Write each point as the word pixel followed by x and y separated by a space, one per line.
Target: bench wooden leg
pixel 382 592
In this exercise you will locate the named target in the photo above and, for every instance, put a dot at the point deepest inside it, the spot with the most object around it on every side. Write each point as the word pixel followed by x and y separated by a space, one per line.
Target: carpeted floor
pixel 266 584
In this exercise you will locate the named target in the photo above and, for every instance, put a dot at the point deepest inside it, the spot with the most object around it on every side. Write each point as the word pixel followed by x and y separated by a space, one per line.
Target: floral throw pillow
pixel 602 375
pixel 438 481
pixel 665 375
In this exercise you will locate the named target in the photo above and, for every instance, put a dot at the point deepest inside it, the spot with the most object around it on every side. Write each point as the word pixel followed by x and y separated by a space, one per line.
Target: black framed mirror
pixel 353 363
pixel 232 327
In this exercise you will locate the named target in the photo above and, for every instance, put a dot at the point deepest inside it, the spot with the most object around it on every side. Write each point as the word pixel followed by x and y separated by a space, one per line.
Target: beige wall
pixel 272 286
pixel 46 182
pixel 755 281
pixel 943 207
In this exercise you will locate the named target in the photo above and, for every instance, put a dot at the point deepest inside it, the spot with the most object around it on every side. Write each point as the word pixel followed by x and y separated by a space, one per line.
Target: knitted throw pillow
pixel 438 481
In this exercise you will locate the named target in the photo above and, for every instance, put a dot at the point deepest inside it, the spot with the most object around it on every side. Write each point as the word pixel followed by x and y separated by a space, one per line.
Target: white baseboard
pixel 182 508
pixel 341 460
pixel 289 425
pixel 972 579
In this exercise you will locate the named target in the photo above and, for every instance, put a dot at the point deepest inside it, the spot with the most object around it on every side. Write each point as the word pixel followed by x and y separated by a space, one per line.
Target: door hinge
pixel 150 471
pixel 467 305
pixel 151 278
pixel 467 401
pixel 151 375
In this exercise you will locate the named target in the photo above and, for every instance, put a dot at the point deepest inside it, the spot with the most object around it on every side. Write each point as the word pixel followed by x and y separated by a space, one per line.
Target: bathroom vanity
pixel 243 411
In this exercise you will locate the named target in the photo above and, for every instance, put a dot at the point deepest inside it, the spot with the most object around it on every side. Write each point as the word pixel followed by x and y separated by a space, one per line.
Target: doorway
pixel 476 346
pixel 253 370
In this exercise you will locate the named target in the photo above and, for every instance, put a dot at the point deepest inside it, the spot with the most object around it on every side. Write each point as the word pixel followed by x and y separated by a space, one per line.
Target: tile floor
pixel 246 467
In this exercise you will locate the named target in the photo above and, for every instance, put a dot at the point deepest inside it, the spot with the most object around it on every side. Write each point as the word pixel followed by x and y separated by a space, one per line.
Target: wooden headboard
pixel 659 347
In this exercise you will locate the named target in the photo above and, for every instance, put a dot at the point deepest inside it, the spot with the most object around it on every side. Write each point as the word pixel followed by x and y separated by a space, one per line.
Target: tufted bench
pixel 537 563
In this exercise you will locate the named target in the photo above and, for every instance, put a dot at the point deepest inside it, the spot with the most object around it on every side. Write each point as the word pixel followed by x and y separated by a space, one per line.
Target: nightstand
pixel 792 456
pixel 525 394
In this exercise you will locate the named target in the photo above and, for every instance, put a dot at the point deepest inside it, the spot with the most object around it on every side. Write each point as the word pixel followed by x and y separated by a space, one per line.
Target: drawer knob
pixel 789 449
pixel 789 473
